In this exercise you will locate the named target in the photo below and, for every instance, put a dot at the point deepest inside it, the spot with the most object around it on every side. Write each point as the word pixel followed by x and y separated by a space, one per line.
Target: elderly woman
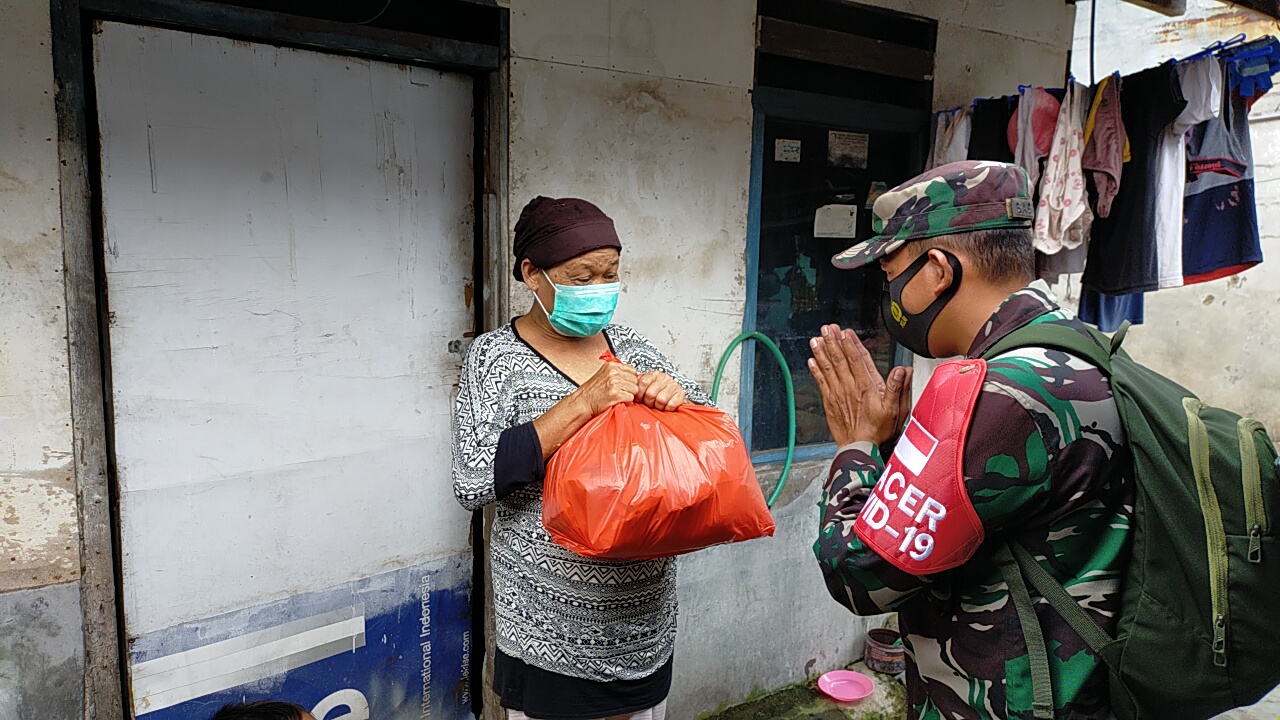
pixel 577 638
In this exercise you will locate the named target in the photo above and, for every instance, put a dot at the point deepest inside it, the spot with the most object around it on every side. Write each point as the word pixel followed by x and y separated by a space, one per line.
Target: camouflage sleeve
pixel 856 576
pixel 1006 472
pixel 1006 459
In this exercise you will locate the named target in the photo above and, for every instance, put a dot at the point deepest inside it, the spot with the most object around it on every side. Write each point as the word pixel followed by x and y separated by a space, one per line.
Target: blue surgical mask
pixel 581 310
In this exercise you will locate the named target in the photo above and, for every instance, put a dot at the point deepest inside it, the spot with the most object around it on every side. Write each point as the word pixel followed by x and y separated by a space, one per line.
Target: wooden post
pixel 103 698
pixel 495 294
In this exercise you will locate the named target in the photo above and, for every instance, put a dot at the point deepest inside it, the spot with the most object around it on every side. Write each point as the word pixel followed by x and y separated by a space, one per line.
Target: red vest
pixel 919 516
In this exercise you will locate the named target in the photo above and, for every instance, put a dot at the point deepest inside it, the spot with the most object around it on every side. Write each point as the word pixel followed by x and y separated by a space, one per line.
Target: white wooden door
pixel 288 257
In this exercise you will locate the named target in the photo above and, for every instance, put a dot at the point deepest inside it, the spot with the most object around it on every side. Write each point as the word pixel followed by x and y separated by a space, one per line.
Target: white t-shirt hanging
pixel 955 141
pixel 1202 87
pixel 940 122
pixel 951 137
pixel 1063 216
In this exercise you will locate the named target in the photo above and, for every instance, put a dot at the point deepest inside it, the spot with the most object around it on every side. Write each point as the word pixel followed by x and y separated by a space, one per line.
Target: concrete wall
pixel 988 48
pixel 1218 338
pixel 644 108
pixel 40 637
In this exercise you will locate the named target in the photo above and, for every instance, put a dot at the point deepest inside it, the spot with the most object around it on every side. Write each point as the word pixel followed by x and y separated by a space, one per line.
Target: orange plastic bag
pixel 637 483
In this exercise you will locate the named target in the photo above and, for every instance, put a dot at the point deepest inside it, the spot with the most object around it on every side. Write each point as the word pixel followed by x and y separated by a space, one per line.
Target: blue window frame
pixel 800 295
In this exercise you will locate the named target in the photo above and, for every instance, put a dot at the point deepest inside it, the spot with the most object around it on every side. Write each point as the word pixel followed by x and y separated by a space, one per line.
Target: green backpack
pixel 1199 631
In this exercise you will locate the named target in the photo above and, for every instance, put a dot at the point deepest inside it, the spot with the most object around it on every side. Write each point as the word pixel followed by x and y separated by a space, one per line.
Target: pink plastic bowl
pixel 846 685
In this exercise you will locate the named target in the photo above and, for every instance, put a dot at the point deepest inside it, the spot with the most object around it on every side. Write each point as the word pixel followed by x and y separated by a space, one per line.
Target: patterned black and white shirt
pixel 600 620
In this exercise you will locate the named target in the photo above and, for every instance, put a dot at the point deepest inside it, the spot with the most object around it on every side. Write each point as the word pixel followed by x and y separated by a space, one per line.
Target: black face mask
pixel 913 330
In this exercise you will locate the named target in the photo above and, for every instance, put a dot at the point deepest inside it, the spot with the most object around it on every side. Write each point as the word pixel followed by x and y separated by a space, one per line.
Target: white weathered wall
pixel 643 108
pixel 988 47
pixel 37 502
pixel 40 650
pixel 1219 338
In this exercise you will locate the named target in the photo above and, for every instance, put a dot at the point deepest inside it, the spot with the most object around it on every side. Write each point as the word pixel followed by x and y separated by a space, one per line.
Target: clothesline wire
pixel 1093 34
pixel 1209 50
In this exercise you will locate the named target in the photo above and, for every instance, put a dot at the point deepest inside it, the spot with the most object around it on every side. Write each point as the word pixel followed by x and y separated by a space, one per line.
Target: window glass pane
pixel 798 289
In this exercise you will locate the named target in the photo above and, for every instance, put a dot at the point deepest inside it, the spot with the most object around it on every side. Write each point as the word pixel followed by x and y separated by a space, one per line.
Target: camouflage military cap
pixel 954 198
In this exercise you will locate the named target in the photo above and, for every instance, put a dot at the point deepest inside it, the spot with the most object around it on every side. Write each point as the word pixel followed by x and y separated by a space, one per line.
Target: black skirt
pixel 546 695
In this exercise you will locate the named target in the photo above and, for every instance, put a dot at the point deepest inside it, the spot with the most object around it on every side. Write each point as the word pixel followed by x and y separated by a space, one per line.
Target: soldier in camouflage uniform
pixel 1044 461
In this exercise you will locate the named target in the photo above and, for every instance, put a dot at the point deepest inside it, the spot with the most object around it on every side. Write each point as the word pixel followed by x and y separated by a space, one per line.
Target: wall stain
pixel 641 96
pixel 1225 24
pixel 12 183
pixel 39 531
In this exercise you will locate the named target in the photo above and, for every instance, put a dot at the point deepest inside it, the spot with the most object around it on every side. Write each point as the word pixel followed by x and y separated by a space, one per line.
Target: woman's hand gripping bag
pixel 637 483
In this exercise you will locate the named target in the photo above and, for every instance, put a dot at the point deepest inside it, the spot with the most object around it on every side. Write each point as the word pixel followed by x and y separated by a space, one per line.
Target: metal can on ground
pixel 884 652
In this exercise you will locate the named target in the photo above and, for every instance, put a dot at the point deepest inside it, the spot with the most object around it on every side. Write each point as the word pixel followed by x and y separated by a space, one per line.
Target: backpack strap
pixel 1016 563
pixel 1037 651
pixel 1061 601
pixel 1095 348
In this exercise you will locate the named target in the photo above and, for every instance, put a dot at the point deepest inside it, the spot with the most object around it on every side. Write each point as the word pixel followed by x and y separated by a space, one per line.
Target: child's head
pixel 263 710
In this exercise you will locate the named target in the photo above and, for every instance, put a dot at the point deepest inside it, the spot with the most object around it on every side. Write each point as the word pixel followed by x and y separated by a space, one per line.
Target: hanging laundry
pixel 940 122
pixel 1109 312
pixel 1062 214
pixel 1201 84
pixel 951 137
pixel 1220 235
pixel 989 133
pixel 1031 130
pixel 1051 268
pixel 955 141
pixel 1251 67
pixel 1106 144
pixel 1122 252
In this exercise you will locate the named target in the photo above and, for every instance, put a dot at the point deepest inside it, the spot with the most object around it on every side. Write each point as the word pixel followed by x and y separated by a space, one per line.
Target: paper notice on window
pixel 836 221
pixel 786 151
pixel 847 149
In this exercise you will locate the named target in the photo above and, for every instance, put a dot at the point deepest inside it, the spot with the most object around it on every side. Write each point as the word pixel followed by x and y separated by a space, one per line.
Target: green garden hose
pixel 791 398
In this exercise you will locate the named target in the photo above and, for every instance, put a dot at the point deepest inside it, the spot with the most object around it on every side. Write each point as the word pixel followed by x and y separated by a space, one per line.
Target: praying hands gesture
pixel 859 404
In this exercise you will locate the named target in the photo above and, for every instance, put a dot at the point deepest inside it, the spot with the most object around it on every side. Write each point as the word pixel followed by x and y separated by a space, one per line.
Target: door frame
pixel 799 106
pixel 105 647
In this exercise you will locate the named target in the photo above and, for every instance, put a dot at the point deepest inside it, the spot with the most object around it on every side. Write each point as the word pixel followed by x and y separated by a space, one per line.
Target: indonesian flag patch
pixel 919 516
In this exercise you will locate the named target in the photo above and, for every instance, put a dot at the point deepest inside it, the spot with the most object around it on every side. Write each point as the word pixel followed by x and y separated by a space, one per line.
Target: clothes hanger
pixel 1214 47
pixel 1264 48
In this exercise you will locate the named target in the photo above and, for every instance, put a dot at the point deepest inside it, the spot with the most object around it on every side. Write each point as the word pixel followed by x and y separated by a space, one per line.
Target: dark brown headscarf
pixel 552 230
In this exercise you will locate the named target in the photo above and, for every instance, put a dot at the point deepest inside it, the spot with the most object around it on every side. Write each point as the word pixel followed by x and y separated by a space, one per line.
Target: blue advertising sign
pixel 395 646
